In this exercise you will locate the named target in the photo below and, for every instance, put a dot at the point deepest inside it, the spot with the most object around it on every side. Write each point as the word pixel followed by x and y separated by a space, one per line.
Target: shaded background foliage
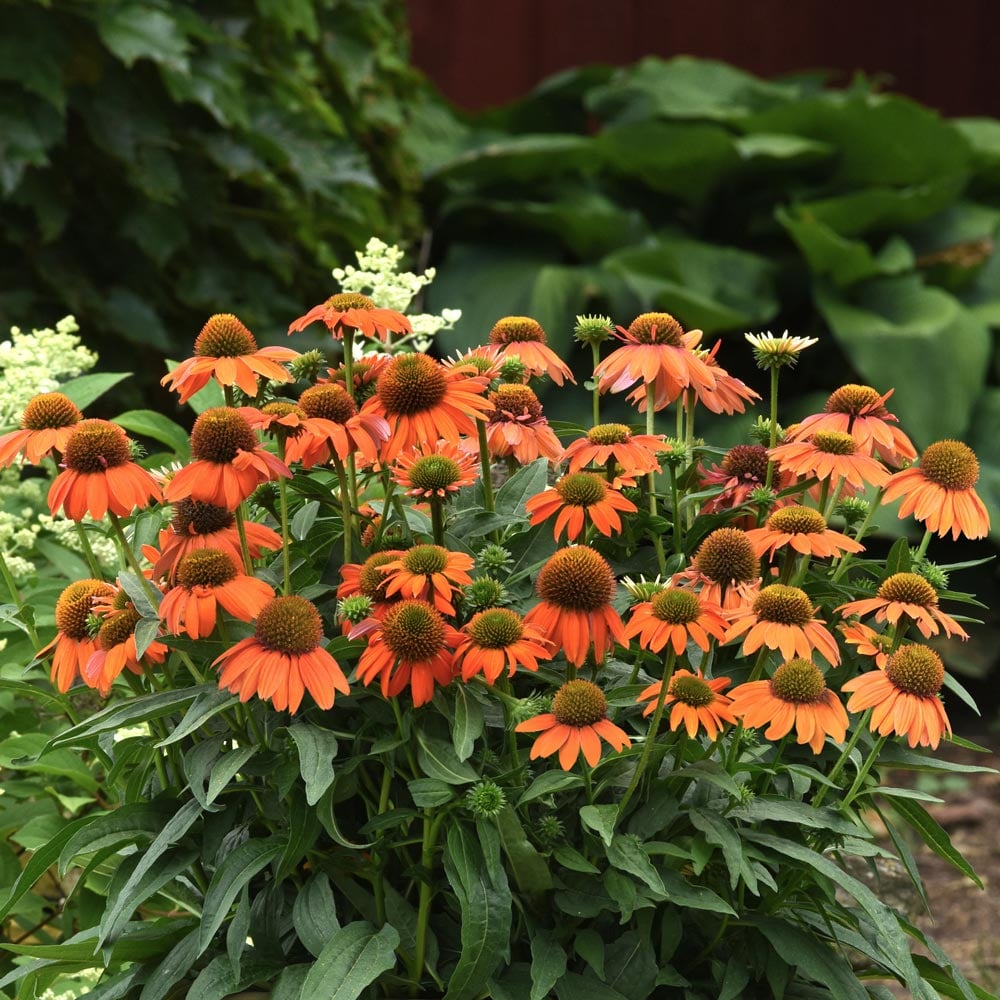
pixel 163 161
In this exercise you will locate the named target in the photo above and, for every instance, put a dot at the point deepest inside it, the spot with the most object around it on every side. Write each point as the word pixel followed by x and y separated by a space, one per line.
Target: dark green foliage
pixel 160 162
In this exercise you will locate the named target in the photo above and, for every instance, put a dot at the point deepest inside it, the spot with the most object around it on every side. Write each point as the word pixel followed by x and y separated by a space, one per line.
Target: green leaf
pixel 304 519
pixel 898 559
pixel 172 969
pixel 899 333
pixel 129 824
pixel 934 836
pixel 630 965
pixel 135 31
pixel 206 706
pixel 626 854
pixel 548 783
pixel 683 893
pixel 429 793
pixel 235 872
pixel 354 957
pixel 438 760
pixel 468 723
pixel 602 820
pixel 571 858
pixel 314 914
pixel 548 964
pixel 720 832
pixel 521 487
pixel 84 389
pixel 812 957
pixel 154 425
pixel 317 749
pixel 485 905
pixel 531 872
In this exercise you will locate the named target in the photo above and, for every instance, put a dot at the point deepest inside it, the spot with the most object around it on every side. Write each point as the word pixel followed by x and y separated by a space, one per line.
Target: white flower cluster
pixel 80 984
pixel 378 276
pixel 19 502
pixel 36 362
pixel 66 535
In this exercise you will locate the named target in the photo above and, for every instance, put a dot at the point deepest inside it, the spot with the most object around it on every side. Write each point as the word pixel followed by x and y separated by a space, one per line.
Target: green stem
pixel 286 540
pixel 151 592
pixel 240 514
pixel 437 520
pixel 872 507
pixel 924 542
pixel 379 882
pixel 774 426
pixel 845 756
pixel 595 350
pixel 661 560
pixel 345 508
pixel 15 596
pixel 675 499
pixel 690 399
pixel 863 773
pixel 509 702
pixel 486 466
pixel 388 488
pixel 88 551
pixel 654 727
pixel 424 902
pixel 831 506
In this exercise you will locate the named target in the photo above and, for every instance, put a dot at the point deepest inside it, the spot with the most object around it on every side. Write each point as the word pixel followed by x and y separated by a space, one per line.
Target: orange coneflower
pixel 198 525
pixel 206 580
pixel 579 498
pixel 524 338
pixel 284 658
pixel 783 618
pixel 412 645
pixel 696 701
pixel 281 418
pixel 73 644
pixel 797 696
pixel 860 411
pixel 99 475
pixel 868 642
pixel 725 570
pixel 115 642
pixel 831 455
pixel 729 395
pixel 910 595
pixel 577 723
pixel 331 425
pixel 227 351
pixel 430 572
pixel 804 530
pixel 486 359
pixel 46 424
pixel 517 428
pixel 939 492
pixel 435 470
pixel 352 311
pixel 676 617
pixel 658 353
pixel 497 638
pixel 742 470
pixel 904 696
pixel 425 401
pixel 228 462
pixel 364 375
pixel 576 586
pixel 635 453
pixel 368 580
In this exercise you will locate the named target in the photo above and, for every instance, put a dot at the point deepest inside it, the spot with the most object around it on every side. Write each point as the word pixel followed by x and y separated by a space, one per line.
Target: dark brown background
pixel 485 52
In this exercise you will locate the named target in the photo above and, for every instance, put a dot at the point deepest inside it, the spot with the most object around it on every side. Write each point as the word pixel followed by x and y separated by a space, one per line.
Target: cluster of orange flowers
pixel 411 422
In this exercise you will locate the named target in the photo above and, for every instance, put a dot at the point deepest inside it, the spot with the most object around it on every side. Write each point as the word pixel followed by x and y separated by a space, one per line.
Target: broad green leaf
pixel 519 158
pixel 813 957
pixel 428 793
pixel 682 893
pixel 934 836
pixel 218 980
pixel 172 969
pixel 206 706
pixel 602 820
pixel 548 964
pixel 438 759
pixel 225 768
pixel 354 957
pixel 626 854
pixel 575 987
pixel 468 723
pixel 129 824
pixel 900 334
pixel 135 31
pixel 84 389
pixel 485 905
pixel 317 749
pixel 898 559
pixel 530 869
pixel 521 487
pixel 304 519
pixel 314 914
pixel 235 872
pixel 630 965
pixel 719 831
pixel 154 425
pixel 549 783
